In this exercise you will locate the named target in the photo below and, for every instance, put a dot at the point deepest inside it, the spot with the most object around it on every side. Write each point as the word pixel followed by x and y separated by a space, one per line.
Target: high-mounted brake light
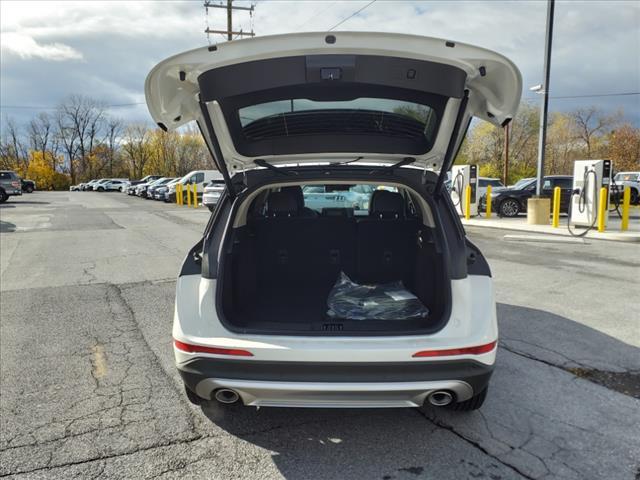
pixel 486 348
pixel 189 348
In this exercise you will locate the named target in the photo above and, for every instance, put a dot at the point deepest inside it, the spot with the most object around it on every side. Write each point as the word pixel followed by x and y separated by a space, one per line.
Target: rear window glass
pixel 564 182
pixel 356 197
pixel 300 116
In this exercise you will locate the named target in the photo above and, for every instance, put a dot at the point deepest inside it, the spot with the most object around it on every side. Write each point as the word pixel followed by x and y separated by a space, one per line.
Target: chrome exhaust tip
pixel 440 398
pixel 225 395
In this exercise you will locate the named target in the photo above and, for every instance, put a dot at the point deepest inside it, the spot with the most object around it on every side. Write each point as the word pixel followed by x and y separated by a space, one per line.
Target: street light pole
pixel 542 139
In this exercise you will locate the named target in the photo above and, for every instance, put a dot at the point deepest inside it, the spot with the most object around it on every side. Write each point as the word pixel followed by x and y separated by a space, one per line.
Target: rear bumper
pixel 339 385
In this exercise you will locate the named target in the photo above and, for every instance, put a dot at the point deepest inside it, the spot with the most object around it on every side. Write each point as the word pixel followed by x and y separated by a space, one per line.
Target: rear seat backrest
pixel 386 240
pixel 296 247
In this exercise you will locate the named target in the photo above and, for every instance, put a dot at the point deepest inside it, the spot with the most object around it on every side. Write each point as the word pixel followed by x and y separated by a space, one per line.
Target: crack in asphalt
pixel 607 379
pixel 106 457
pixel 156 360
pixel 475 444
pixel 94 284
pixel 187 441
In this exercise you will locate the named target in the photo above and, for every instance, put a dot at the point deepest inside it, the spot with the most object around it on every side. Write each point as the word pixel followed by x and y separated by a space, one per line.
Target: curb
pixel 630 237
pixel 544 239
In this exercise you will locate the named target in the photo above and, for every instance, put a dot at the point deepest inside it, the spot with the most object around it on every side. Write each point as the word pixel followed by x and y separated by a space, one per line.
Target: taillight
pixel 189 348
pixel 477 350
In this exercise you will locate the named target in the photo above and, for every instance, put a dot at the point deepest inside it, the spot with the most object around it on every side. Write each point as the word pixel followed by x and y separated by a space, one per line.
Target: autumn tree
pixel 42 137
pixel 136 148
pixel 624 148
pixel 591 125
pixel 85 117
pixel 13 151
pixel 485 145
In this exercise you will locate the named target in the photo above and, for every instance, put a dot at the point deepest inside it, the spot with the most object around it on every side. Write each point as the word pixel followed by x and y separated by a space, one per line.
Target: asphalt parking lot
pixel 89 389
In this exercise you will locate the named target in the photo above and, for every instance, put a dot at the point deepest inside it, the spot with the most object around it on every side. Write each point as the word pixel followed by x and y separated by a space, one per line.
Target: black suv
pixel 10 184
pixel 513 200
pixel 28 186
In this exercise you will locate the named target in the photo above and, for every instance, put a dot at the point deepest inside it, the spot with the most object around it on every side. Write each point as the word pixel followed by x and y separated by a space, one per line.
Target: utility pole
pixel 545 101
pixel 505 171
pixel 229 32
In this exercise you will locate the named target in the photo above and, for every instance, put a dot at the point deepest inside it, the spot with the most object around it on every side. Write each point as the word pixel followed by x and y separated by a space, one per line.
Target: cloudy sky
pixel 105 49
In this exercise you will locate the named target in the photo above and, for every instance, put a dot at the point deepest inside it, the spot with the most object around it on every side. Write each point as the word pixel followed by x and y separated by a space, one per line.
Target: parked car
pixel 511 201
pixel 10 185
pixel 114 185
pixel 28 186
pixel 97 185
pixel 212 193
pixel 89 185
pixel 199 178
pixel 141 189
pixel 160 193
pixel 278 308
pixel 627 179
pixel 484 182
pixel 131 189
pixel 151 189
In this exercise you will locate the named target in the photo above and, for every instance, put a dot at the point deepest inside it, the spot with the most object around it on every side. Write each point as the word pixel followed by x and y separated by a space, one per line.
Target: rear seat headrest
pixel 282 204
pixel 386 204
pixel 296 191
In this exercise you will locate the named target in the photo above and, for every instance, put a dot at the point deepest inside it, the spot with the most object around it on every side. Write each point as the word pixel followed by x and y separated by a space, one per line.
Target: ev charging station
pixel 589 177
pixel 461 177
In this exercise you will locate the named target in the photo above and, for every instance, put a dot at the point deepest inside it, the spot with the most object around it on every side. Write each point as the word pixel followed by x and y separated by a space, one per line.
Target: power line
pixel 319 12
pixel 352 15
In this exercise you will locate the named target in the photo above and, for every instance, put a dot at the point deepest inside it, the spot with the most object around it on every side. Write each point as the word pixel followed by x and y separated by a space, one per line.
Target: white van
pixel 195 177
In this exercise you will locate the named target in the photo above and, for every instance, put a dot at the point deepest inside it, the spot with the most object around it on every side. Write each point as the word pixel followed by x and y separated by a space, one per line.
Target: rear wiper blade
pixel 280 170
pixel 392 168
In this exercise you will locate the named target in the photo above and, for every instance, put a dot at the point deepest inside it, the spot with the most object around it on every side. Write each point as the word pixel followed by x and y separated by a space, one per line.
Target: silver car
pixel 212 193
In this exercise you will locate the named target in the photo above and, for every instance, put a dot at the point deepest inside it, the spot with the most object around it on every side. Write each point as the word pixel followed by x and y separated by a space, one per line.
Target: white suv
pixel 283 305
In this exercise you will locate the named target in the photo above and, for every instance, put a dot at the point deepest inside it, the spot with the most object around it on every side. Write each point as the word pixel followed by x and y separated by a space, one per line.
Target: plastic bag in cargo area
pixel 388 301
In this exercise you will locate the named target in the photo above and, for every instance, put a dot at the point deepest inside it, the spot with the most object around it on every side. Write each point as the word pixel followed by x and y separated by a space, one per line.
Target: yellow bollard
pixel 488 200
pixel 188 195
pixel 179 194
pixel 602 208
pixel 556 207
pixel 467 203
pixel 626 201
pixel 195 195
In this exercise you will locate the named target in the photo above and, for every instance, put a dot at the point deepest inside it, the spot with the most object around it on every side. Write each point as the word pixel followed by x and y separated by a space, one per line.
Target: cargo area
pixel 280 268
